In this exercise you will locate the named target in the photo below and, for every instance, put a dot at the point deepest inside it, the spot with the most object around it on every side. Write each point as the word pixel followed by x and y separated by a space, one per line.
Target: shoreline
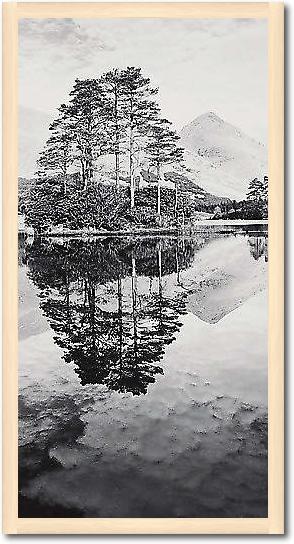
pixel 229 222
pixel 152 231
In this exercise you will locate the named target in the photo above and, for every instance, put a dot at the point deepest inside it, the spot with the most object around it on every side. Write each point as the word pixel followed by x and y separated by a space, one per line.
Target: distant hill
pixel 221 157
pixel 32 135
pixel 199 195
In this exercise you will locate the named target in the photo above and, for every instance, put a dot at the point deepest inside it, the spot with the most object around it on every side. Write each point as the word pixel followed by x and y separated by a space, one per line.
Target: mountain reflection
pixel 106 303
pixel 115 304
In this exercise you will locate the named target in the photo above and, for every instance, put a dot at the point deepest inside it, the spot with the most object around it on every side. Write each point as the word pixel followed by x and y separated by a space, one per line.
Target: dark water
pixel 143 376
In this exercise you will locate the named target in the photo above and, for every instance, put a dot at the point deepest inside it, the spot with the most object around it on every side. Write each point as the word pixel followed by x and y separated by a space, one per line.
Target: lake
pixel 143 375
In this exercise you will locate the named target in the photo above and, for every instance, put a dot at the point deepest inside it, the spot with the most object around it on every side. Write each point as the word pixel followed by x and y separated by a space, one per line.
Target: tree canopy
pixel 113 117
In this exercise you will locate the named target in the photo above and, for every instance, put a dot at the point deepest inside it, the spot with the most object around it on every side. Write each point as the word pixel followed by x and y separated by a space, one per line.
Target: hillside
pixel 222 159
pixel 201 199
pixel 199 195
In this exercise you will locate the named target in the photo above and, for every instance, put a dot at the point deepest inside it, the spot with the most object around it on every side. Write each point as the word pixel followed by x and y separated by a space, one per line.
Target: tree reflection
pixel 106 303
pixel 258 247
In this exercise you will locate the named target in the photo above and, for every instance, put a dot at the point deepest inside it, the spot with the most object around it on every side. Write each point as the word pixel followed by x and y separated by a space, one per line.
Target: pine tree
pixel 264 196
pixel 257 195
pixel 255 190
pixel 57 156
pixel 84 120
pixel 114 113
pixel 162 149
pixel 140 110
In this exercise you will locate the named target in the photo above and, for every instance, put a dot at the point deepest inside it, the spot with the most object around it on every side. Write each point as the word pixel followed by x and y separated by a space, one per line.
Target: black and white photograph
pixel 143 268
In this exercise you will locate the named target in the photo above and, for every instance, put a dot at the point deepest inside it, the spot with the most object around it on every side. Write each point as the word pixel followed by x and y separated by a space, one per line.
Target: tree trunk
pixel 150 285
pixel 134 307
pixel 92 312
pixel 117 170
pixel 176 197
pixel 64 184
pixel 87 174
pixel 160 285
pixel 83 174
pixel 158 195
pixel 67 295
pixel 89 165
pixel 64 168
pixel 177 265
pixel 116 141
pixel 120 321
pixel 132 184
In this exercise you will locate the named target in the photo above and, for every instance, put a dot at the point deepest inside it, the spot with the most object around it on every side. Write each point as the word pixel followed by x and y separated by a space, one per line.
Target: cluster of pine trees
pixel 255 206
pixel 114 115
pixel 257 195
pixel 116 118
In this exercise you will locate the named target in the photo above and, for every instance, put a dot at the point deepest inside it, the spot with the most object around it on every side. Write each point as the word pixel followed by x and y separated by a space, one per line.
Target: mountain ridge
pixel 222 158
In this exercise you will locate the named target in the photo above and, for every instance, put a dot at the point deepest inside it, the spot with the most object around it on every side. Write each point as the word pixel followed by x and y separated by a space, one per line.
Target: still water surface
pixel 143 376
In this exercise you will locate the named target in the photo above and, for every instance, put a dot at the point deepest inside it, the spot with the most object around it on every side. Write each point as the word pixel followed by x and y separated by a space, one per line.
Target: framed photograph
pixel 143 268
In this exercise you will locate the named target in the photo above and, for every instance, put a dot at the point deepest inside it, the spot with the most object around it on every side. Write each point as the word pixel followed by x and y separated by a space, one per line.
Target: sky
pixel 199 65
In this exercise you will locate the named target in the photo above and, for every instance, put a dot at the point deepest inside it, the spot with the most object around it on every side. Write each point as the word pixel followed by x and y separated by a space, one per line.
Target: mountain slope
pixel 222 159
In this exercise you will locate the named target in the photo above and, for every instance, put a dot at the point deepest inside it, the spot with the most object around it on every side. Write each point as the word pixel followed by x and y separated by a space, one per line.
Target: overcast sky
pixel 198 65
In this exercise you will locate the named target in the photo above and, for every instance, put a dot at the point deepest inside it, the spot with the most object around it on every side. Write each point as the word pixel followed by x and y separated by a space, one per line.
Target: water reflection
pixel 113 329
pixel 258 247
pixel 107 302
pixel 123 312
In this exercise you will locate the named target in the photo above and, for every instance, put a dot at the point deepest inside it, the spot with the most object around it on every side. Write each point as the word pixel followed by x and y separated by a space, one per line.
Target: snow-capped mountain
pixel 221 157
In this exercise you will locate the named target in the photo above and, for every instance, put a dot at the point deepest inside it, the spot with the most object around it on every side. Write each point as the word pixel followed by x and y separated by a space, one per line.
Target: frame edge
pixel 10 337
pixel 276 269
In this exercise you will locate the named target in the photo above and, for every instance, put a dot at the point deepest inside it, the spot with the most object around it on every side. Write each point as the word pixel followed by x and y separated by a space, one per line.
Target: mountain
pixel 226 286
pixel 221 157
pixel 32 134
pixel 226 272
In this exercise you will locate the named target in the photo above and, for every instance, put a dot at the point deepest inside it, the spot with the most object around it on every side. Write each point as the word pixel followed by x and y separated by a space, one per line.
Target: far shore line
pixel 231 222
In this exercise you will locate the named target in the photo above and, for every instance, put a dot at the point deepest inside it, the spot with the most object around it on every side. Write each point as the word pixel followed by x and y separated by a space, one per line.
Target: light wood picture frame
pixel 274 523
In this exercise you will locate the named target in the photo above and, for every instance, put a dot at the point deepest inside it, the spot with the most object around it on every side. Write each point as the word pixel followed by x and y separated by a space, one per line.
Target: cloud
pixel 198 64
pixel 59 39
